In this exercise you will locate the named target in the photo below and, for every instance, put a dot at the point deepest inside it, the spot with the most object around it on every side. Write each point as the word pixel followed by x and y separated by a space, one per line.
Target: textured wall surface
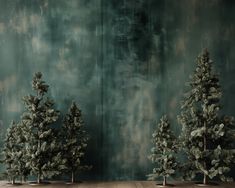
pixel 124 61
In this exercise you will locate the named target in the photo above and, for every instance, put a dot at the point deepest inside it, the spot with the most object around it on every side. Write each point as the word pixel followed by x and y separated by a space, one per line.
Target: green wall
pixel 124 61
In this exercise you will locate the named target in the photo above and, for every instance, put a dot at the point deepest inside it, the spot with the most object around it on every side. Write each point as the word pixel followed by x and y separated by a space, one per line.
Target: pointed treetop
pixel 204 60
pixel 164 119
pixel 205 54
pixel 39 85
pixel 164 124
pixel 74 105
pixel 74 110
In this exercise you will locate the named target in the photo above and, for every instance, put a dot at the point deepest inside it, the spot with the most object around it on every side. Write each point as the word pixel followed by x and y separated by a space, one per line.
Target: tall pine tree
pixel 165 145
pixel 206 135
pixel 41 142
pixel 74 140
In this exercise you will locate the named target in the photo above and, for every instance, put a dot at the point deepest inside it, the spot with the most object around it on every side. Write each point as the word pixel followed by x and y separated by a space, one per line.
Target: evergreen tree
pixel 41 142
pixel 24 170
pixel 9 153
pixel 206 136
pixel 14 153
pixel 74 140
pixel 165 145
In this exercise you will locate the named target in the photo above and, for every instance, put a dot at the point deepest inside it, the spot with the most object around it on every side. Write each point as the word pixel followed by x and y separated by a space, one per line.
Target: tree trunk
pixel 13 181
pixel 39 167
pixel 72 179
pixel 164 177
pixel 164 181
pixel 39 178
pixel 205 179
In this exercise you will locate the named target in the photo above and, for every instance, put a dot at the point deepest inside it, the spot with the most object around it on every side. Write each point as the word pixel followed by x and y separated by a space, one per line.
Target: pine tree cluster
pixel 37 145
pixel 207 137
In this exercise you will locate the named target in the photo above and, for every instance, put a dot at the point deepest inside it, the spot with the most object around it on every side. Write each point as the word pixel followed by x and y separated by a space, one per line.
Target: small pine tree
pixel 14 153
pixel 74 140
pixel 206 136
pixel 41 143
pixel 165 145
pixel 9 153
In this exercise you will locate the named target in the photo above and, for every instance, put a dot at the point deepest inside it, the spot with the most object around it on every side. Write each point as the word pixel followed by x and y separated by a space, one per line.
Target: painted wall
pixel 125 62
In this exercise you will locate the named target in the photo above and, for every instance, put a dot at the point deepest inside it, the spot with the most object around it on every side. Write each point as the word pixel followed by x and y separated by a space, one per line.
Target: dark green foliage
pixel 206 136
pixel 14 153
pixel 74 140
pixel 10 159
pixel 41 142
pixel 165 145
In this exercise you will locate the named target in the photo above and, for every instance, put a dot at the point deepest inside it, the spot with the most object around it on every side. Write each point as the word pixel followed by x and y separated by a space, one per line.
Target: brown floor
pixel 117 184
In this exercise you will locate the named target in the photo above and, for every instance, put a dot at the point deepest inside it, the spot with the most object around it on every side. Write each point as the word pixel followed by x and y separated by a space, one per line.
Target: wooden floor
pixel 116 184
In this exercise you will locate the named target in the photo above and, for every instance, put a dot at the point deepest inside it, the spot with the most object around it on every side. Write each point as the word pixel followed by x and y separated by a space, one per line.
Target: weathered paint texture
pixel 124 61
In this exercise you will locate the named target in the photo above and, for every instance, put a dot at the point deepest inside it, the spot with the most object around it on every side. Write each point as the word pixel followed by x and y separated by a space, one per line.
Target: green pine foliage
pixel 206 135
pixel 37 146
pixel 162 154
pixel 14 153
pixel 24 171
pixel 10 159
pixel 41 143
pixel 75 140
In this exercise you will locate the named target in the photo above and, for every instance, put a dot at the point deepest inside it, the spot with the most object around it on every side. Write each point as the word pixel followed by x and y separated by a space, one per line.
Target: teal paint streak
pixel 124 62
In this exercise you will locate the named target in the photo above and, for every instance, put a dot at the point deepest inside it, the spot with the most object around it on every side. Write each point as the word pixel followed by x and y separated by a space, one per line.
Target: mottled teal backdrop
pixel 124 61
